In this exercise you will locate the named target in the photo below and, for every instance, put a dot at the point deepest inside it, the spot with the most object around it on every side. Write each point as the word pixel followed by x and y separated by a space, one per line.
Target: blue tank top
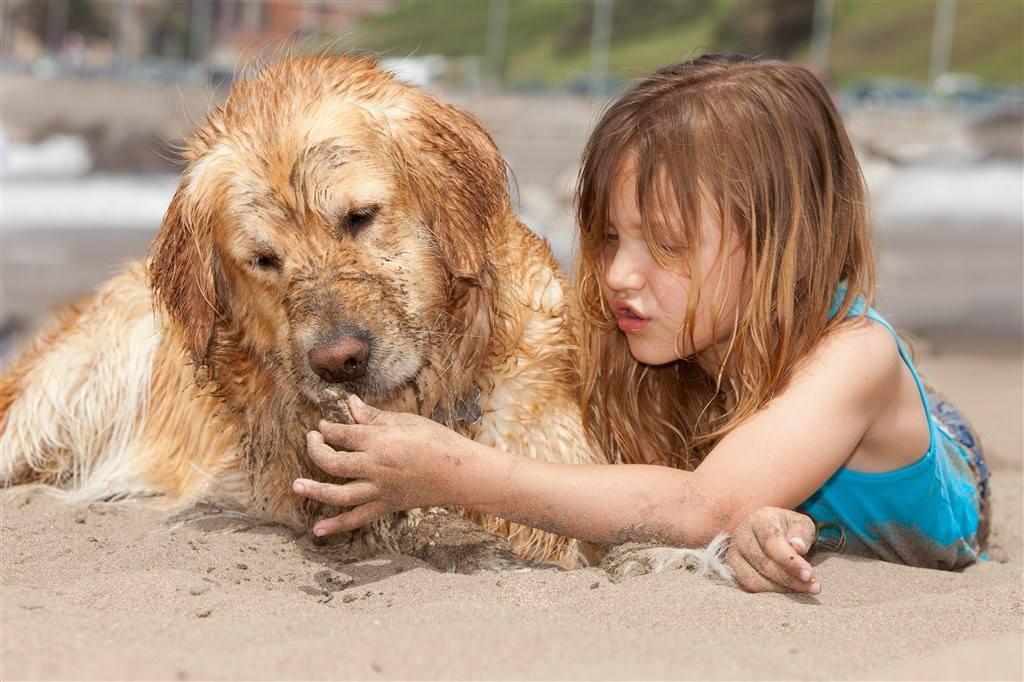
pixel 925 514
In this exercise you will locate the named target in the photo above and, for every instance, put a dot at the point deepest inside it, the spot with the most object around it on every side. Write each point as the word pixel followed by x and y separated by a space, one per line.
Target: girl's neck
pixel 710 361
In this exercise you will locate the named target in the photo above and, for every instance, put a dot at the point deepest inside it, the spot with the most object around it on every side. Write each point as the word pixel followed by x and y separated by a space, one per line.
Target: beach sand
pixel 115 592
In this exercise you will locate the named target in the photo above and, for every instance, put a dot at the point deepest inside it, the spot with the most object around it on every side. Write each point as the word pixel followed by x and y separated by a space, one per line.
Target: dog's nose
pixel 341 360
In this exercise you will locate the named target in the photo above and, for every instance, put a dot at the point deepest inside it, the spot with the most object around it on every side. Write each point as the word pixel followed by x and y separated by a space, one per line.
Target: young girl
pixel 730 357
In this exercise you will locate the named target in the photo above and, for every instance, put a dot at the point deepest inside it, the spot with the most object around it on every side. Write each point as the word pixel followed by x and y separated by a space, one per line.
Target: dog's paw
pixel 498 557
pixel 633 559
pixel 453 544
pixel 215 518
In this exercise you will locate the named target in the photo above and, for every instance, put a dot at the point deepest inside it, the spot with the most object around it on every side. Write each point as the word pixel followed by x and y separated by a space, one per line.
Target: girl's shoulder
pixel 860 356
pixel 873 383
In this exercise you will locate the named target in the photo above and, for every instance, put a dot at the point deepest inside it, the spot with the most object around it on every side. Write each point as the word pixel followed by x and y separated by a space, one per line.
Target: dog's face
pixel 327 261
pixel 325 221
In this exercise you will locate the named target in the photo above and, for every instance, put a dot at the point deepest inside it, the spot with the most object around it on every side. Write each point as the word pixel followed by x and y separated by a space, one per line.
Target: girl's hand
pixel 400 461
pixel 766 552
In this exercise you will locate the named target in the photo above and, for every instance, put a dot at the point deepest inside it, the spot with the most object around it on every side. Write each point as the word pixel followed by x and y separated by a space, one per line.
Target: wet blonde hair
pixel 764 140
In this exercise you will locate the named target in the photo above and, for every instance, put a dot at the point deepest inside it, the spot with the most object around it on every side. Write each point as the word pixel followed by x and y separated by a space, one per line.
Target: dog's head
pixel 329 224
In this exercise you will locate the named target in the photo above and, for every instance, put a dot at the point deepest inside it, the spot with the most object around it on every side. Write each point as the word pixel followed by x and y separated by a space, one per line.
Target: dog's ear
pixel 458 179
pixel 181 277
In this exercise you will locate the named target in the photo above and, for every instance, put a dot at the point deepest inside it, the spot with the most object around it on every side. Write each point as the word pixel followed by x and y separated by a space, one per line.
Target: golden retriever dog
pixel 335 231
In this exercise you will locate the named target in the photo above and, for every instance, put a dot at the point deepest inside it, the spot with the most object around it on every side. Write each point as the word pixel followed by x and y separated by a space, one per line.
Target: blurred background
pixel 95 95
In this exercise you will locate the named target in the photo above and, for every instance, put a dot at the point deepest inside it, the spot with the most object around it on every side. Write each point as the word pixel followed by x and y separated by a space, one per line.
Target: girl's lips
pixel 629 321
pixel 632 325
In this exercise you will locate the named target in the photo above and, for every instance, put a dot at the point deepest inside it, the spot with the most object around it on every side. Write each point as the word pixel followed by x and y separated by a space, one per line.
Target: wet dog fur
pixel 324 199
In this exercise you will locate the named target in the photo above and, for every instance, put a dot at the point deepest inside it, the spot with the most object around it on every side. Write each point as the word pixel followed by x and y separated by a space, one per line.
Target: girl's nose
pixel 623 272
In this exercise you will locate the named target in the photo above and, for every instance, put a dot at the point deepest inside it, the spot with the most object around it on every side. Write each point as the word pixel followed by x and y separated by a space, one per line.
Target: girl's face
pixel 650 302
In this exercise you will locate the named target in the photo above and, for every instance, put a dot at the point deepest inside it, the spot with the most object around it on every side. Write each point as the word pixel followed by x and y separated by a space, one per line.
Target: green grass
pixel 989 39
pixel 871 37
pixel 894 37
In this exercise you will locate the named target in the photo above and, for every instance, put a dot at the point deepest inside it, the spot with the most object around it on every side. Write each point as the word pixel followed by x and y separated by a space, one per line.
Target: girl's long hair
pixel 762 144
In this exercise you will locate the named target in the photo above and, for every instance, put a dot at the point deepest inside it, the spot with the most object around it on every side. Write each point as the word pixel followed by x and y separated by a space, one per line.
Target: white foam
pixel 89 202
pixel 962 196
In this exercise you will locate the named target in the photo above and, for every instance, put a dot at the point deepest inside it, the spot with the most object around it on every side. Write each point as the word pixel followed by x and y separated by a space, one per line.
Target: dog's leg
pixel 70 407
pixel 633 559
pixel 451 543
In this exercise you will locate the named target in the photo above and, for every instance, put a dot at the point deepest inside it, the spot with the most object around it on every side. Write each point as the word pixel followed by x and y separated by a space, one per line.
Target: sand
pixel 119 592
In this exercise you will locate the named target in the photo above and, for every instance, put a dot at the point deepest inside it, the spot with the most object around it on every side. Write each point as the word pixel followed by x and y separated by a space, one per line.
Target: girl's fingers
pixel 749 578
pixel 365 414
pixel 760 574
pixel 781 551
pixel 780 563
pixel 345 436
pixel 348 495
pixel 800 531
pixel 340 464
pixel 770 530
pixel 350 520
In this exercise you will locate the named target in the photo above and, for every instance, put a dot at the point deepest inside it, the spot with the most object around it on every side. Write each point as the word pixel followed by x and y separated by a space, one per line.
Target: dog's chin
pixel 371 388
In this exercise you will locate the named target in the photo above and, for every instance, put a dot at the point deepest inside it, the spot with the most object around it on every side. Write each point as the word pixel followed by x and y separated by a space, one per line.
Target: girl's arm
pixel 777 458
pixel 403 461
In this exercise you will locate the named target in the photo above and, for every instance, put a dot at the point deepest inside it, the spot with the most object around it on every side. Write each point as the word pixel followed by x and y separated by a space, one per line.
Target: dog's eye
pixel 266 261
pixel 358 219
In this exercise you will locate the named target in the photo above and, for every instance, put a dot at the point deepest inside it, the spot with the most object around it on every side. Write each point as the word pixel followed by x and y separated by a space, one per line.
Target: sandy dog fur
pixel 324 195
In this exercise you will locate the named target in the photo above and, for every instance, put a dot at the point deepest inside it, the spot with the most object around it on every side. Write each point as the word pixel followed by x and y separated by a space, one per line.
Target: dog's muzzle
pixel 344 359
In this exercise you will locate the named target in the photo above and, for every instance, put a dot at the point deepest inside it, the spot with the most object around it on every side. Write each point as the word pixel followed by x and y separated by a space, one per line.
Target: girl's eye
pixel 267 262
pixel 611 237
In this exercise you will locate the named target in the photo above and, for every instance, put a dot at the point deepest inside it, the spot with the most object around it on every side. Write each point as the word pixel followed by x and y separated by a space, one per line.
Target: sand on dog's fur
pixel 336 230
pixel 111 592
